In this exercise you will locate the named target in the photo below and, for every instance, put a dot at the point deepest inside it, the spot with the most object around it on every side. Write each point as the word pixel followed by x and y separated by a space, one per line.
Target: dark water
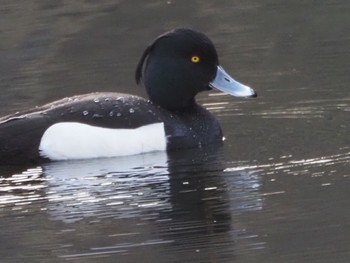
pixel 278 191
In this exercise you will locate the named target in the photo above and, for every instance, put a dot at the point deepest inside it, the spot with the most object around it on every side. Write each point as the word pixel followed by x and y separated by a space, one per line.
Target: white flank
pixel 72 140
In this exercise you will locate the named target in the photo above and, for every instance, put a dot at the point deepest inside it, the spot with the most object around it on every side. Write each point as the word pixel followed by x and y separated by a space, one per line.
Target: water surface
pixel 277 191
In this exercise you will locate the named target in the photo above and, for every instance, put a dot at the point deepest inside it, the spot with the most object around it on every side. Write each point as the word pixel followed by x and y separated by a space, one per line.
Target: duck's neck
pixel 173 103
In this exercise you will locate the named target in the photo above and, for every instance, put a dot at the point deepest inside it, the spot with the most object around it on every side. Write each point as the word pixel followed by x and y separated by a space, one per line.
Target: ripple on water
pixel 322 168
pixel 21 190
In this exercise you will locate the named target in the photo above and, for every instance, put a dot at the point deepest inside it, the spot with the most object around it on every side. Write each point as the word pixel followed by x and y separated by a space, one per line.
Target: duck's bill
pixel 225 83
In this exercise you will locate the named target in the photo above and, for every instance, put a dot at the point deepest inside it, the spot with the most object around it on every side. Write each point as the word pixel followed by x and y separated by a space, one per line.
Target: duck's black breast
pixel 20 134
pixel 194 127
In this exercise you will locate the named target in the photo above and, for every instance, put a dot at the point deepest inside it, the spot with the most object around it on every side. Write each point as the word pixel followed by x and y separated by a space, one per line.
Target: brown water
pixel 278 191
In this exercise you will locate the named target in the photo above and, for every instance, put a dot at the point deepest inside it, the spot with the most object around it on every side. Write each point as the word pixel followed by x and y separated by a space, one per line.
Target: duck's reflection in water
pixel 124 187
pixel 183 203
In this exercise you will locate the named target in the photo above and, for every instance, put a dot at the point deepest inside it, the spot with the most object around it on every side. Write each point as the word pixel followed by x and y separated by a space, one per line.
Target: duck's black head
pixel 180 64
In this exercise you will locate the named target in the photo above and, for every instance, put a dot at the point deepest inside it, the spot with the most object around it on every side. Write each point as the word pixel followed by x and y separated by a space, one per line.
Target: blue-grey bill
pixel 225 83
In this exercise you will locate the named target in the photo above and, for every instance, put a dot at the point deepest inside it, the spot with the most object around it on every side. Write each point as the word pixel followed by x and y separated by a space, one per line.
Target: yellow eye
pixel 195 59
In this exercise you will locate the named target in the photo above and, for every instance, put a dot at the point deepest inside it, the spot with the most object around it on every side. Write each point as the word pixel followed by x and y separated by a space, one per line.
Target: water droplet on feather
pixel 96 116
